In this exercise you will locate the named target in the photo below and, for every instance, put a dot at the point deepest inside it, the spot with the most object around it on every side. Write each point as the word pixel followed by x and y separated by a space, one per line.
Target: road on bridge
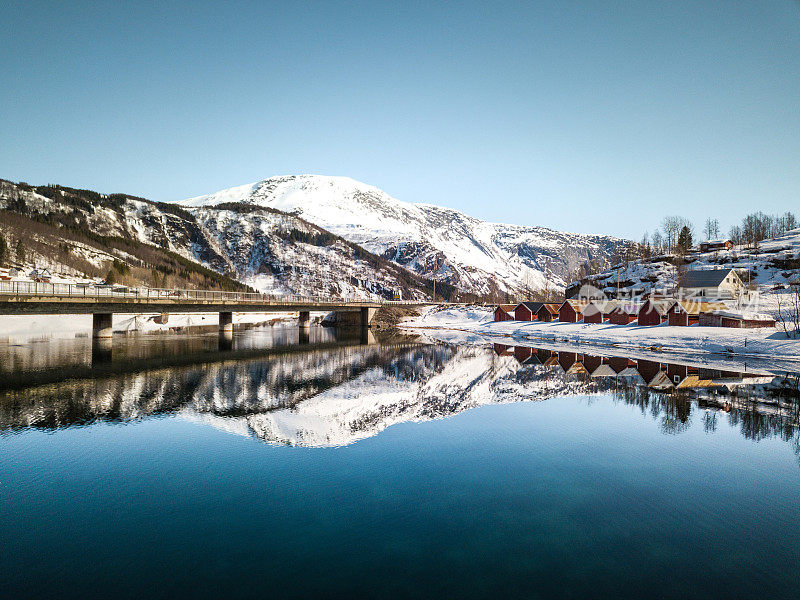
pixel 102 301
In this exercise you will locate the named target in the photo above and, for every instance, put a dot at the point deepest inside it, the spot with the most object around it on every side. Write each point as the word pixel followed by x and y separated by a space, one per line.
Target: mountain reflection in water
pixel 331 392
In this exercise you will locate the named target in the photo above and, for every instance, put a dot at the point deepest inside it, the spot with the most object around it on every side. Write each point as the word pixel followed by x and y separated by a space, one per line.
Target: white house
pixel 723 284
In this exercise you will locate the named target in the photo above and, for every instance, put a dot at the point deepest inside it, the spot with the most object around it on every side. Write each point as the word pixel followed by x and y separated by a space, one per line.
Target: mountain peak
pixel 477 256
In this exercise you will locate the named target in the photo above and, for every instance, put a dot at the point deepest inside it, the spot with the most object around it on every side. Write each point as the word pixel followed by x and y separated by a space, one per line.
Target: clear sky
pixel 598 117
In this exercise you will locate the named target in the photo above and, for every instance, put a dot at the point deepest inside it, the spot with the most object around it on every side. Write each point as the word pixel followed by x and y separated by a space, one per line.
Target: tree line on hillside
pixel 676 234
pixel 6 254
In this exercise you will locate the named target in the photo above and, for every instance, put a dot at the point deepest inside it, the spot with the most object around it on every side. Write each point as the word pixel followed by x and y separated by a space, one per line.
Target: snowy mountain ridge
pixel 80 233
pixel 476 256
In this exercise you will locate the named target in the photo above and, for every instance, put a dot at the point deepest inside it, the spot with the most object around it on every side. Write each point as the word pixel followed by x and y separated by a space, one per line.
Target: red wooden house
pixel 623 313
pixel 521 353
pixel 654 312
pixel 648 369
pixel 683 313
pixel 715 245
pixel 503 350
pixel 597 311
pixel 504 312
pixel 571 311
pixel 546 357
pixel 620 363
pixel 547 312
pixel 723 318
pixel 591 363
pixel 526 311
pixel 677 373
pixel 567 359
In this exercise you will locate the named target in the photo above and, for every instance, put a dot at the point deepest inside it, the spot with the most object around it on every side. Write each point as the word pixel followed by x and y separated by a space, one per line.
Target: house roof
pixel 694 381
pixel 743 316
pixel 628 307
pixel 506 307
pixel 716 242
pixel 604 370
pixel 577 368
pixel 660 306
pixel 550 307
pixel 704 278
pixel 531 306
pixel 602 306
pixel 578 305
pixel 660 381
pixel 631 371
pixel 695 307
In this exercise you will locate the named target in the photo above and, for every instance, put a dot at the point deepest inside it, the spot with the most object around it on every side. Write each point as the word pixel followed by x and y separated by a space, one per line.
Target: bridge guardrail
pixel 110 292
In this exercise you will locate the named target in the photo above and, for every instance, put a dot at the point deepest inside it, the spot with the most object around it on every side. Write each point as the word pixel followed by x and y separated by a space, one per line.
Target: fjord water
pixel 396 469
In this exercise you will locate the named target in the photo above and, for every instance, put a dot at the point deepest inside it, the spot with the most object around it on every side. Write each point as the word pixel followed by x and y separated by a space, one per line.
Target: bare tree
pixel 645 250
pixel 736 235
pixel 789 310
pixel 658 243
pixel 527 284
pixel 711 229
pixel 671 226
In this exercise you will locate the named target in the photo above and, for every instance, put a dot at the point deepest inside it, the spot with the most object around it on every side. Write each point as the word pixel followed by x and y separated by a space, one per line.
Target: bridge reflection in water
pixel 46 361
pixel 334 387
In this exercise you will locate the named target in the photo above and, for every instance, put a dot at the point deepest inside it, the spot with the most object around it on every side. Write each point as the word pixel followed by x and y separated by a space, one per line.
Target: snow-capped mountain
pixel 474 255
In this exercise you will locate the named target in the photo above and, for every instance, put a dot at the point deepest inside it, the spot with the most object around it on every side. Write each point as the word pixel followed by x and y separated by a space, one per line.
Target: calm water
pixel 345 467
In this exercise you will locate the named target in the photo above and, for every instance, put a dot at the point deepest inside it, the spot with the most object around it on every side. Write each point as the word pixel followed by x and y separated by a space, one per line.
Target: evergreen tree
pixel 685 239
pixel 3 250
pixel 111 277
pixel 19 252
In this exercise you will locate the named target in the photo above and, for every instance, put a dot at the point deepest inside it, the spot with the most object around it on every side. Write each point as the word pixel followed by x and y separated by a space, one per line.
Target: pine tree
pixel 111 277
pixel 685 239
pixel 19 252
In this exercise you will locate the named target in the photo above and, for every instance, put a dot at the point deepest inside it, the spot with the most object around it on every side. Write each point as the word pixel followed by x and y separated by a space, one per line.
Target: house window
pixel 676 378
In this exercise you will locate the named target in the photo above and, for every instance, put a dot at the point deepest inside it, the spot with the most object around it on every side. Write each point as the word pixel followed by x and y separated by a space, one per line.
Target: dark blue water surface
pixel 393 472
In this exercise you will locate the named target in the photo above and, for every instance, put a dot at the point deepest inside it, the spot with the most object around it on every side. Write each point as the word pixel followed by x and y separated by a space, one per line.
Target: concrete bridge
pixel 101 301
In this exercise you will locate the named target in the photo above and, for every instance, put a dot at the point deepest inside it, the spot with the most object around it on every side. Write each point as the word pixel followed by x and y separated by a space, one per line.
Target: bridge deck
pixel 61 298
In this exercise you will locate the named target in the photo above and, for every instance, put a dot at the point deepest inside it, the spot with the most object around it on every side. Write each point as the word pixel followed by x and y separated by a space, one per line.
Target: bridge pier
pixel 101 350
pixel 305 318
pixel 101 325
pixel 366 315
pixel 226 322
pixel 303 337
pixel 225 340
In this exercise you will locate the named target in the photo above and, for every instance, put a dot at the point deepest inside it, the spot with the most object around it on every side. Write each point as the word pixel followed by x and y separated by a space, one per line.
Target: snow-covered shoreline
pixel 477 320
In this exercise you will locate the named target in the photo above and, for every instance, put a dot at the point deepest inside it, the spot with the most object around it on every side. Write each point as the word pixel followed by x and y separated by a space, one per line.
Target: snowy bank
pixel 477 320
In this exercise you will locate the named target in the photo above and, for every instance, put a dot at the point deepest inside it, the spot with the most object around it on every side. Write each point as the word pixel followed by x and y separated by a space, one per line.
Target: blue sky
pixel 597 117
